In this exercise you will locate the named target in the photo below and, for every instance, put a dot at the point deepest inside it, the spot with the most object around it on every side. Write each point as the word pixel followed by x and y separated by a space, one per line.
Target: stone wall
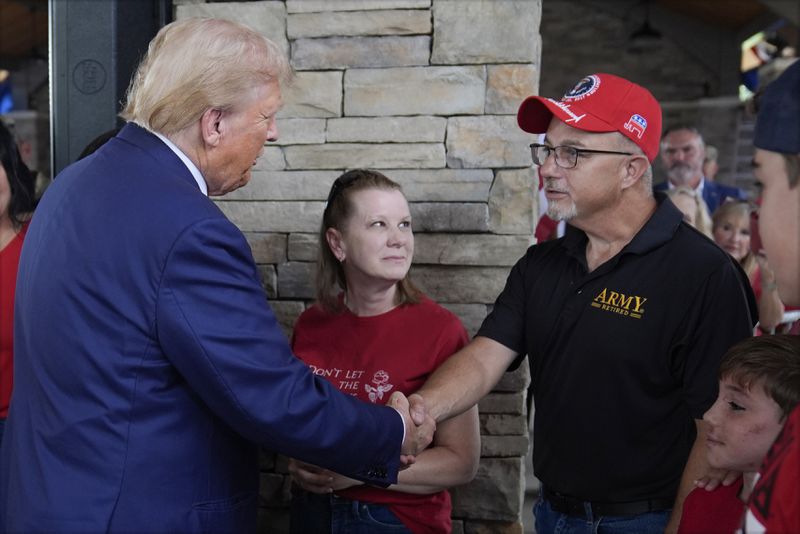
pixel 425 91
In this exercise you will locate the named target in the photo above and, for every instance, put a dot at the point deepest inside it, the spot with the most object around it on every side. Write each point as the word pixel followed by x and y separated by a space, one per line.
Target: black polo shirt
pixel 624 358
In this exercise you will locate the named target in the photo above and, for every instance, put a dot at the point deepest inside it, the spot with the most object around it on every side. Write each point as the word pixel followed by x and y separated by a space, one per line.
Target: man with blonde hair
pixel 149 366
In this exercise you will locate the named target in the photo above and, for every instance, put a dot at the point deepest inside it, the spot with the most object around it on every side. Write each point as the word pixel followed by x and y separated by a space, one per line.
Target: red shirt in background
pixel 9 261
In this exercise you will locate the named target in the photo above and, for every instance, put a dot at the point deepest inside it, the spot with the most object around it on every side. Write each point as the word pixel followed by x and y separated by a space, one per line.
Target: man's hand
pixel 417 408
pixel 418 436
pixel 316 479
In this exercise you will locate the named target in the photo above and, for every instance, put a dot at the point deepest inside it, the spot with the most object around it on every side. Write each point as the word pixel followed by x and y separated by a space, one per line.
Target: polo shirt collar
pixel 658 229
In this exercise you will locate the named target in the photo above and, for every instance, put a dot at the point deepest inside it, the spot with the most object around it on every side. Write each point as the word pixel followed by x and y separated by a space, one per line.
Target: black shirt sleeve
pixel 719 319
pixel 506 322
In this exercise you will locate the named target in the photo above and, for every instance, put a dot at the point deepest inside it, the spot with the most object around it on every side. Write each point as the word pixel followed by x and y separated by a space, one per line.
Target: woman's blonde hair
pixel 737 208
pixel 198 64
pixel 702 220
pixel 339 209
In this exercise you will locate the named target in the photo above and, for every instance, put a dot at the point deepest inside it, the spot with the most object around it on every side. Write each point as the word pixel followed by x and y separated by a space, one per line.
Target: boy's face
pixel 743 424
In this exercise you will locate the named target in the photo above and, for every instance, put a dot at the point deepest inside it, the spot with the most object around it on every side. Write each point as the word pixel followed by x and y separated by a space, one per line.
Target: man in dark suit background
pixel 682 155
pixel 149 366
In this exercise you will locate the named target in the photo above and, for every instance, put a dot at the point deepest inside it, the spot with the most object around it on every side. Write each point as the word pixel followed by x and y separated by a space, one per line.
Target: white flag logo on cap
pixel 565 107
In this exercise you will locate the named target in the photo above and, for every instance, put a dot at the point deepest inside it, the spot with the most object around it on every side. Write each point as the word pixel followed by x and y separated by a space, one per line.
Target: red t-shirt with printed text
pixel 371 358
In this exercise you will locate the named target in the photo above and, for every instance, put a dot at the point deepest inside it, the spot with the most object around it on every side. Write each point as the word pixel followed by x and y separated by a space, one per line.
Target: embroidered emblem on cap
pixel 565 108
pixel 636 124
pixel 583 88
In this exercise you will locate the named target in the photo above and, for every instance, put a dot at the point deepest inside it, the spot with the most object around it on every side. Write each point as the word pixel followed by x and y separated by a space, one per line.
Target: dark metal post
pixel 95 47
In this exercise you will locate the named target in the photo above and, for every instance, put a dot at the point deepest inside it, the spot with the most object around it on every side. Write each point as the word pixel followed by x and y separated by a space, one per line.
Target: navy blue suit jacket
pixel 714 193
pixel 149 366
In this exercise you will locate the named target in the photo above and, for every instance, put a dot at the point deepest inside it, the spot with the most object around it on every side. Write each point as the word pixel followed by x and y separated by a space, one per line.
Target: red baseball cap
pixel 600 103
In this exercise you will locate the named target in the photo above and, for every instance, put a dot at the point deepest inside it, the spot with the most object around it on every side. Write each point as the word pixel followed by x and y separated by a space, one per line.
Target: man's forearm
pixel 696 467
pixel 465 378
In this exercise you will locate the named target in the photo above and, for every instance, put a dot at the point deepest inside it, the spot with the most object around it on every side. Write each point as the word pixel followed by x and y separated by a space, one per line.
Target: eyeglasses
pixel 566 156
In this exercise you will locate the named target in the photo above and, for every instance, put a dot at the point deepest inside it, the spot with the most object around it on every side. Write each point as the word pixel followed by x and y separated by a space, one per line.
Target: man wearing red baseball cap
pixel 600 103
pixel 619 319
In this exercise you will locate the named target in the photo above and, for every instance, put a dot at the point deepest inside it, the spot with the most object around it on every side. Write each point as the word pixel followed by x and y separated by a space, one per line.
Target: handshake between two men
pixel 417 437
pixel 419 428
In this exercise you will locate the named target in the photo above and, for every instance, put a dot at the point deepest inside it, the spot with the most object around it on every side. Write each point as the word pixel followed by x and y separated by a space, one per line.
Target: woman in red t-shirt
pixel 377 336
pixel 16 205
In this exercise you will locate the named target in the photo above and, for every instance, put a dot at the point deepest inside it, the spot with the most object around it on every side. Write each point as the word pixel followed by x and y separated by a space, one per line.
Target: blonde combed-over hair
pixel 198 64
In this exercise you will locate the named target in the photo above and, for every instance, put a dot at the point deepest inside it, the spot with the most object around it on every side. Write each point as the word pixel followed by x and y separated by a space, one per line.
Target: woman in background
pixel 17 203
pixel 731 231
pixel 377 335
pixel 693 207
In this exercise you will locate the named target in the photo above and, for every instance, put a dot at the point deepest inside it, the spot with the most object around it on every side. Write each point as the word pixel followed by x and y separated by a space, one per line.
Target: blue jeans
pixel 548 521
pixel 312 513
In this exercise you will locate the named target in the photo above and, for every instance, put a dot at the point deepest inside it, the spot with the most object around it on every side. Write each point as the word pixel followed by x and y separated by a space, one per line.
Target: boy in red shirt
pixel 758 388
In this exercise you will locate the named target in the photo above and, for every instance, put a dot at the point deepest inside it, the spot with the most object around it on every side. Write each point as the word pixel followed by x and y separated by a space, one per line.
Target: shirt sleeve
pixel 453 338
pixel 506 322
pixel 720 318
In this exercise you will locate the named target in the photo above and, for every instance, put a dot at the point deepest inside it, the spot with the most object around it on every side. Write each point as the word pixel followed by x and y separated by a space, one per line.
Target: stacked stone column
pixel 425 91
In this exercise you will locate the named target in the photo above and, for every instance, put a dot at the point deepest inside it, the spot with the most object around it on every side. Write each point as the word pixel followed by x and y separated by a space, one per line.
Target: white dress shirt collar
pixel 698 189
pixel 186 161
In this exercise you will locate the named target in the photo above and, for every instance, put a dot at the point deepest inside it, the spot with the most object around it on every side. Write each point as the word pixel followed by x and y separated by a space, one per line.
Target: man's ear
pixel 211 126
pixel 634 170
